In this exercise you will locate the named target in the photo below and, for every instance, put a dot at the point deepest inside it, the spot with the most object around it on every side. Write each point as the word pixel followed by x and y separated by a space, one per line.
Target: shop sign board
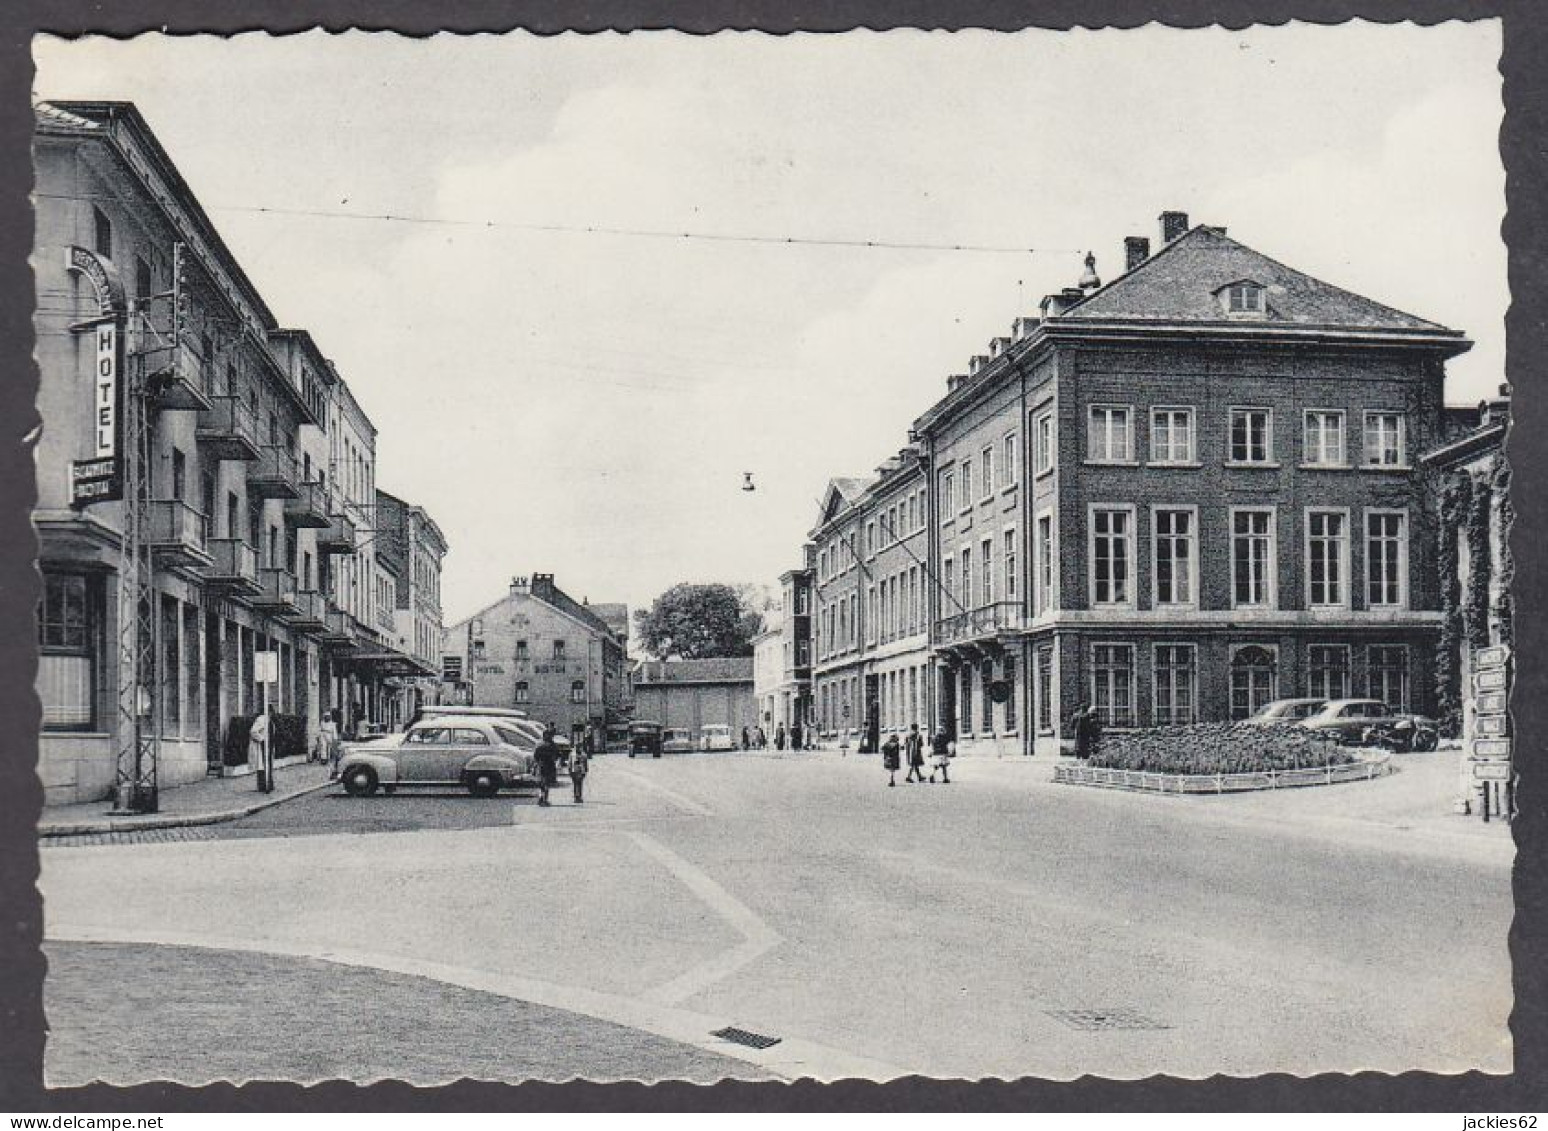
pixel 265 667
pixel 100 479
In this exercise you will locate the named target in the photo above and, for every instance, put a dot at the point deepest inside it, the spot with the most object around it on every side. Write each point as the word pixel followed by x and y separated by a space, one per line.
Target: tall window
pixel 577 691
pixel 1176 679
pixel 102 231
pixel 947 495
pixel 1110 439
pixel 1252 435
pixel 1112 683
pixel 67 638
pixel 948 581
pixel 1327 551
pixel 1045 685
pixel 1386 549
pixel 1171 435
pixel 1384 439
pixel 1008 460
pixel 1254 679
pixel 559 649
pixel 1009 675
pixel 1324 438
pixel 1042 443
pixel 986 559
pixel 1010 565
pixel 1174 534
pixel 523 695
pixel 521 649
pixel 1389 675
pixel 986 471
pixel 1328 671
pixel 967 577
pixel 1112 556
pixel 965 708
pixel 1252 558
pixel 1044 565
pixel 967 484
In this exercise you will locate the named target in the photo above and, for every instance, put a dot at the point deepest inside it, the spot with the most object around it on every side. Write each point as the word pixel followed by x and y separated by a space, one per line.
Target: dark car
pixel 1283 711
pixel 1355 722
pixel 645 738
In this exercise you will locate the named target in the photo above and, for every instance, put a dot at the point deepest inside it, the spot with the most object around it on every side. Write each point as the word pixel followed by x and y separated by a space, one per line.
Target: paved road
pixel 996 926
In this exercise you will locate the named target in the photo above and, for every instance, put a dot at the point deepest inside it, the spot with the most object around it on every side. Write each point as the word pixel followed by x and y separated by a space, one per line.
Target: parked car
pixel 1349 720
pixel 677 740
pixel 645 738
pixel 484 755
pixel 515 719
pixel 447 710
pixel 1282 711
pixel 1403 734
pixel 715 737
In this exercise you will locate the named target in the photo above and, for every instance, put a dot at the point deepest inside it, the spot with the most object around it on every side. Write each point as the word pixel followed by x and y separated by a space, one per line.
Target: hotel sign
pixel 100 478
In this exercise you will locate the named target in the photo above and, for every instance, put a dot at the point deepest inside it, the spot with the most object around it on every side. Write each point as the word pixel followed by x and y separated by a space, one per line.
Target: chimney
pixel 519 586
pixel 1136 249
pixel 1173 224
pixel 1089 280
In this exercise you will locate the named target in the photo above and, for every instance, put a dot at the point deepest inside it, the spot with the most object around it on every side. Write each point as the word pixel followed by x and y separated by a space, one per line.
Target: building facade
pixel 769 671
pixel 541 651
pixel 872 579
pixel 692 694
pixel 793 705
pixel 412 547
pixel 1207 471
pixel 169 392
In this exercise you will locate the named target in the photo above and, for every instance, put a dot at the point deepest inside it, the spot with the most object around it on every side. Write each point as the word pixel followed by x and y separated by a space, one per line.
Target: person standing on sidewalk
pixel 258 749
pixel 916 761
pixel 580 766
pixel 913 746
pixel 328 738
pixel 796 734
pixel 890 750
pixel 547 756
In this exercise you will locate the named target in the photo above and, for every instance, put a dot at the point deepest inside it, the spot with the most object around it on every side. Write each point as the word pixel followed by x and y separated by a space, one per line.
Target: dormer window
pixel 1245 297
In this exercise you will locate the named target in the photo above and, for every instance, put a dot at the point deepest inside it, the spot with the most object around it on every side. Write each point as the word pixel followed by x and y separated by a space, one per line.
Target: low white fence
pixel 1365 768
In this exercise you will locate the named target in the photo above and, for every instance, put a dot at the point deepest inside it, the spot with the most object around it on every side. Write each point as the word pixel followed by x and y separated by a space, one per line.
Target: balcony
pixel 276 592
pixel 177 535
pixel 309 508
pixel 311 613
pixel 336 629
pixel 276 474
pixel 226 430
pixel 235 567
pixel 338 537
pixel 980 626
pixel 174 381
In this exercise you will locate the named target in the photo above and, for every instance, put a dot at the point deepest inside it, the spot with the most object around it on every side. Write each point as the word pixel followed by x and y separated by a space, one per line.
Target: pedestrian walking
pixel 746 739
pixel 940 757
pixel 916 758
pixel 328 738
pixel 844 743
pixel 547 757
pixel 890 753
pixel 779 737
pixel 580 766
pixel 796 735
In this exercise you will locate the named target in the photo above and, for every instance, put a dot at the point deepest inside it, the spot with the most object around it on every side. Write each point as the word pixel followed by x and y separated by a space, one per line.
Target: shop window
pixel 69 641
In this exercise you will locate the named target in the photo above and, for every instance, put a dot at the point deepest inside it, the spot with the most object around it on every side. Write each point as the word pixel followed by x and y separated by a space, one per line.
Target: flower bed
pixel 1218 748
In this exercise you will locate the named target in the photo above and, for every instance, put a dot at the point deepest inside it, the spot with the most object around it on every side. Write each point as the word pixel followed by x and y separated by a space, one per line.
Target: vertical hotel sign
pixel 100 478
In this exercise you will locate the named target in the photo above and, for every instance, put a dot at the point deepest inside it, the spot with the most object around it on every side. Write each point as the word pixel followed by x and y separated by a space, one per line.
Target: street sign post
pixel 1491 771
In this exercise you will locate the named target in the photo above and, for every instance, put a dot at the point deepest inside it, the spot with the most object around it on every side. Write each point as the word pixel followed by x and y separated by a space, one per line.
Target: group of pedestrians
pixel 578 764
pixel 912 750
pixel 755 739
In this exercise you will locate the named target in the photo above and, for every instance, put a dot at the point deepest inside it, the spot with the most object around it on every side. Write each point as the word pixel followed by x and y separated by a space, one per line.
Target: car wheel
pixel 484 783
pixel 360 781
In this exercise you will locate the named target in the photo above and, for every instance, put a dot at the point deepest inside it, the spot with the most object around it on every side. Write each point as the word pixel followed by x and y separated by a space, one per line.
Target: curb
pixel 133 824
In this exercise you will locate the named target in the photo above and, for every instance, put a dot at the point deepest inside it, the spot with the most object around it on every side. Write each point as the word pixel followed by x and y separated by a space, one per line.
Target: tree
pixel 698 622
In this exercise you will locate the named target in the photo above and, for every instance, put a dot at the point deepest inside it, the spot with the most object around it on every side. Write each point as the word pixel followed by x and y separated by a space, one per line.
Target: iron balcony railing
pixel 277 589
pixel 310 508
pixel 980 623
pixel 311 610
pixel 226 428
pixel 235 563
pixel 276 473
pixel 176 527
pixel 338 537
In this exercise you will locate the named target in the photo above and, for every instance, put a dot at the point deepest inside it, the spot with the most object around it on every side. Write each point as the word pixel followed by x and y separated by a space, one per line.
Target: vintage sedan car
pixel 517 720
pixel 677 740
pixel 483 755
pixel 1280 712
pixel 1349 720
pixel 715 737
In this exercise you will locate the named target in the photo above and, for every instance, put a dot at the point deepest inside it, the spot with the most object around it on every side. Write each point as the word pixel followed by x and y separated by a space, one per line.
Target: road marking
pixel 793 1058
pixel 757 936
pixel 671 795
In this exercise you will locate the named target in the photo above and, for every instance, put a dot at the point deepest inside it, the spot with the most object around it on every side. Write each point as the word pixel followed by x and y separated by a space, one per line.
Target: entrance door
pixel 946 681
pixel 872 741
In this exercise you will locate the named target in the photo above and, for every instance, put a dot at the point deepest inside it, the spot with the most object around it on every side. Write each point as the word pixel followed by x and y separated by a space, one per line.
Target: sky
pixel 585 403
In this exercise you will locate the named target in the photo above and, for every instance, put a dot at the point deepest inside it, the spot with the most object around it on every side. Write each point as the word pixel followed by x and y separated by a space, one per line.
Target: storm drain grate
pixel 1104 1019
pixel 743 1037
